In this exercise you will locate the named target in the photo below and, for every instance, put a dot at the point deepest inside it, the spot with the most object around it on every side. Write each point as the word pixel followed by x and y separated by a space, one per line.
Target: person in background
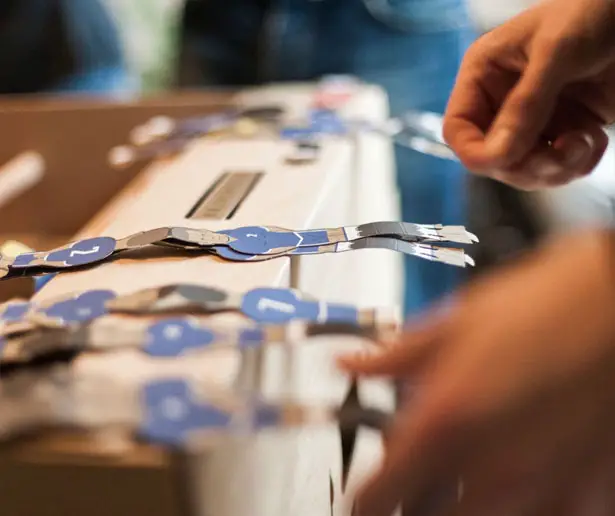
pixel 412 48
pixel 517 374
pixel 60 46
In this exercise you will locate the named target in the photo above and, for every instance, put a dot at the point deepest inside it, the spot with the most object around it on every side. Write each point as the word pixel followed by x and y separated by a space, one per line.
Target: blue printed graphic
pixel 85 307
pixel 265 416
pixel 174 337
pixel 171 413
pixel 251 338
pixel 228 254
pixel 298 133
pixel 83 252
pixel 325 121
pixel 321 122
pixel 259 240
pixel 13 312
pixel 314 237
pixel 41 281
pixel 314 249
pixel 341 313
pixel 25 259
pixel 278 306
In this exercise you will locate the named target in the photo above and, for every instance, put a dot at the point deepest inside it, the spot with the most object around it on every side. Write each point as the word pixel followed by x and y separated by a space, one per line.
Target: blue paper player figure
pixel 171 413
pixel 85 307
pixel 174 337
pixel 60 46
pixel 280 306
pixel 260 240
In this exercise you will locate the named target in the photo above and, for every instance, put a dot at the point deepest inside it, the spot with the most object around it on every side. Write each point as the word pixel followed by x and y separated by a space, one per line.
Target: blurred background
pixel 150 31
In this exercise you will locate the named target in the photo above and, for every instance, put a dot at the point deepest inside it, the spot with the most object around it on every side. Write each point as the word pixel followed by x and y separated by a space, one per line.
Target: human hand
pixel 533 95
pixel 516 393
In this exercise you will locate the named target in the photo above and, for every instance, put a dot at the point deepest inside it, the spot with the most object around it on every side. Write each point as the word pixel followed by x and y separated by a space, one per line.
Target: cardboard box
pixel 298 472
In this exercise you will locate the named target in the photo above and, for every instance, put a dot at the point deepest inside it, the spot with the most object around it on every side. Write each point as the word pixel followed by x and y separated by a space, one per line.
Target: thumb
pixel 527 109
pixel 404 357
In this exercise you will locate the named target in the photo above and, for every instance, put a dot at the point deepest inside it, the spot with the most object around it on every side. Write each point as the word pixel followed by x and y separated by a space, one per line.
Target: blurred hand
pixel 516 395
pixel 533 95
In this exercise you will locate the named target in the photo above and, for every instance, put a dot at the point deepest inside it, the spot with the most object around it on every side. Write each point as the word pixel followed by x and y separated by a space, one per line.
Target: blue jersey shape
pixel 171 413
pixel 259 240
pixel 325 121
pixel 25 259
pixel 174 337
pixel 85 307
pixel 341 313
pixel 14 312
pixel 251 338
pixel 299 133
pixel 278 306
pixel 230 254
pixel 84 252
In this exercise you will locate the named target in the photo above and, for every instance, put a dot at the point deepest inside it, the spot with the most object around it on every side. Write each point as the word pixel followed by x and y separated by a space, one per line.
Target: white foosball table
pixel 351 181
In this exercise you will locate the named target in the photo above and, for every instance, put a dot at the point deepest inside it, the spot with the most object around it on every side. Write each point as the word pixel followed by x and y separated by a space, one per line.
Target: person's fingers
pixel 573 130
pixel 509 487
pixel 470 110
pixel 515 503
pixel 466 139
pixel 403 358
pixel 591 490
pixel 527 109
pixel 595 97
pixel 548 167
pixel 578 144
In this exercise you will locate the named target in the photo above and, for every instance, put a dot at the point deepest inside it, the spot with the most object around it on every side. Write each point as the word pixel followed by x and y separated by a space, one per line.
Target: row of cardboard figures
pixel 61 363
pixel 163 136
pixel 254 243
pixel 135 362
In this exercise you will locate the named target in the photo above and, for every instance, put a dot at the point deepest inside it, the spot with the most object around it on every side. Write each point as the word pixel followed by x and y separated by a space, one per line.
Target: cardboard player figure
pixel 165 337
pixel 254 243
pixel 156 404
pixel 164 136
pixel 273 240
pixel 262 305
pixel 165 127
pixel 98 249
pixel 449 256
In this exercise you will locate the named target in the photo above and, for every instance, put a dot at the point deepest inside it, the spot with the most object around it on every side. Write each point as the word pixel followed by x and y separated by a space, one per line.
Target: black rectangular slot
pixel 225 196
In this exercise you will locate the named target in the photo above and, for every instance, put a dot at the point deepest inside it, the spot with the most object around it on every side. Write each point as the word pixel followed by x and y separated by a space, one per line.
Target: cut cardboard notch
pixel 348 436
pixel 331 492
